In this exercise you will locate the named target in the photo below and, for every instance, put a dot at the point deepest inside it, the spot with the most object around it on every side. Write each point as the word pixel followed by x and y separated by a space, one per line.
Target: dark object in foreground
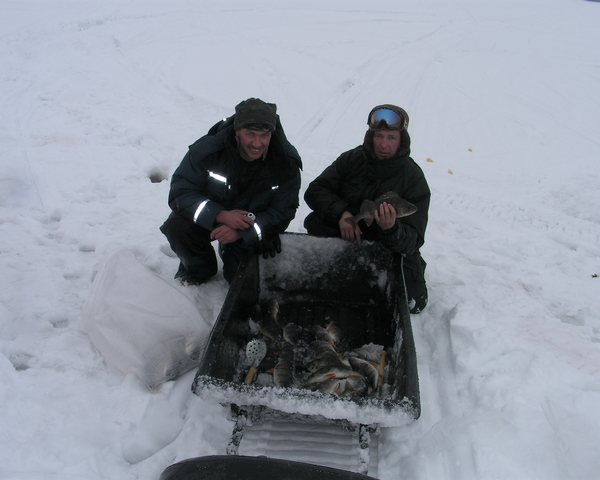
pixel 224 467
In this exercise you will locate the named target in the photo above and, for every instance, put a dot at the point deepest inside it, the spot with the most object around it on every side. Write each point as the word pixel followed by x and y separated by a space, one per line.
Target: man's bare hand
pixel 235 219
pixel 385 216
pixel 225 234
pixel 349 233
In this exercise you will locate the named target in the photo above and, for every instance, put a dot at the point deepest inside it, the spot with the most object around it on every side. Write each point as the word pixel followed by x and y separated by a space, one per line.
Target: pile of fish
pixel 315 357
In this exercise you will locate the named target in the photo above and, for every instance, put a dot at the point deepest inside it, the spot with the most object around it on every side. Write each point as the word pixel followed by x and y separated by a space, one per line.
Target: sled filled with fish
pixel 321 332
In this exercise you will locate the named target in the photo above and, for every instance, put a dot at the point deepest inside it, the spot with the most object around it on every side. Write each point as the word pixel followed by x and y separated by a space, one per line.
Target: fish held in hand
pixel 368 207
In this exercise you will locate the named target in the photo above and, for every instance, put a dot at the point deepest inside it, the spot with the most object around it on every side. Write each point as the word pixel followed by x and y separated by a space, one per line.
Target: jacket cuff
pixel 206 214
pixel 391 231
pixel 251 236
pixel 337 210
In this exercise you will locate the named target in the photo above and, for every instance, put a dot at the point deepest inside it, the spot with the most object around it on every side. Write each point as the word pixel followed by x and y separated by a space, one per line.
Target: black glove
pixel 270 245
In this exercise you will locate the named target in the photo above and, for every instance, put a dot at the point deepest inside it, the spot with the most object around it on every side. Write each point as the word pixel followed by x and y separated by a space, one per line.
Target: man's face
pixel 253 143
pixel 386 143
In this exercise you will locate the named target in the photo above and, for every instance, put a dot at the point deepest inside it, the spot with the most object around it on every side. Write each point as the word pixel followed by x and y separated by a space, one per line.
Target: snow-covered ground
pixel 504 104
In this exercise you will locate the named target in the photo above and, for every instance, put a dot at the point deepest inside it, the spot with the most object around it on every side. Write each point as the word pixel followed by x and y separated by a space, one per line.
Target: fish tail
pixel 353 220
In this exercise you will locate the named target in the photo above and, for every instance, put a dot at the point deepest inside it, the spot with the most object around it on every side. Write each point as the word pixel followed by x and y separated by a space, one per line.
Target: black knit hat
pixel 254 114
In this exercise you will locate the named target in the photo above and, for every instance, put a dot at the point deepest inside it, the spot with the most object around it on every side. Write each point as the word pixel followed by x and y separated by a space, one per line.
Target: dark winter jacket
pixel 213 177
pixel 358 175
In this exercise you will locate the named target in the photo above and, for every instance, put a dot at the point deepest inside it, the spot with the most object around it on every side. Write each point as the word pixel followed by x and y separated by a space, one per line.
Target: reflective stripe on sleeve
pixel 218 177
pixel 258 231
pixel 199 210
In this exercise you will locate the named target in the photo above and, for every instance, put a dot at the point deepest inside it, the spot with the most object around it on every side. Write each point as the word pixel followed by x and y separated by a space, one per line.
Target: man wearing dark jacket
pixel 380 165
pixel 238 185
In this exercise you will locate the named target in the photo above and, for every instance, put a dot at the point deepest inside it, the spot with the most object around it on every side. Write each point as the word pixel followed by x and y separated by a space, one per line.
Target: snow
pixel 504 108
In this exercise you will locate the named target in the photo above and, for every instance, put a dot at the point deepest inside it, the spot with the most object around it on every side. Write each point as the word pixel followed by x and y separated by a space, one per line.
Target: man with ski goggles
pixel 381 171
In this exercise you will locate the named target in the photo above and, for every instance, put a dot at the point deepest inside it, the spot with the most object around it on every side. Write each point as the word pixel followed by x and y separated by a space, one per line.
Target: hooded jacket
pixel 213 177
pixel 358 175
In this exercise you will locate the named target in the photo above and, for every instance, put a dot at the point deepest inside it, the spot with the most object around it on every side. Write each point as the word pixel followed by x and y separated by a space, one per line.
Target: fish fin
pixel 348 389
pixel 340 390
pixel 386 196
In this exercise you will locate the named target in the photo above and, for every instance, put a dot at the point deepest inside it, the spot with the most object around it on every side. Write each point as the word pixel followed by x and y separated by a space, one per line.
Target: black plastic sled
pixel 316 282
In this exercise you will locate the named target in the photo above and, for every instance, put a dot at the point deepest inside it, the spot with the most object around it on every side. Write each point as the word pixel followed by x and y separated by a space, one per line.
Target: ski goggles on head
pixel 393 120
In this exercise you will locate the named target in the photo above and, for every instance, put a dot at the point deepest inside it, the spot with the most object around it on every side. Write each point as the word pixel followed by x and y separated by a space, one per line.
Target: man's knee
pixel 317 227
pixel 192 245
pixel 231 254
pixel 185 237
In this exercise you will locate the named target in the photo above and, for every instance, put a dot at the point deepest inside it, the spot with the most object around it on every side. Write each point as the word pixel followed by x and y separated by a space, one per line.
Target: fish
pixel 283 372
pixel 272 306
pixel 366 369
pixel 321 347
pixel 323 335
pixel 323 355
pixel 291 333
pixel 334 332
pixel 332 385
pixel 268 324
pixel 326 360
pixel 403 208
pixel 352 385
pixel 270 330
pixel 328 373
pixel 356 385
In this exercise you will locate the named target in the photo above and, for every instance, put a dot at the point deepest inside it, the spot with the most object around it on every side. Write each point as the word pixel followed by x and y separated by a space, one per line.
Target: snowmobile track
pixel 326 445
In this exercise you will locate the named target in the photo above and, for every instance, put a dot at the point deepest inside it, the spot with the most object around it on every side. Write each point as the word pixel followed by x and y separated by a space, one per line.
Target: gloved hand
pixel 270 245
